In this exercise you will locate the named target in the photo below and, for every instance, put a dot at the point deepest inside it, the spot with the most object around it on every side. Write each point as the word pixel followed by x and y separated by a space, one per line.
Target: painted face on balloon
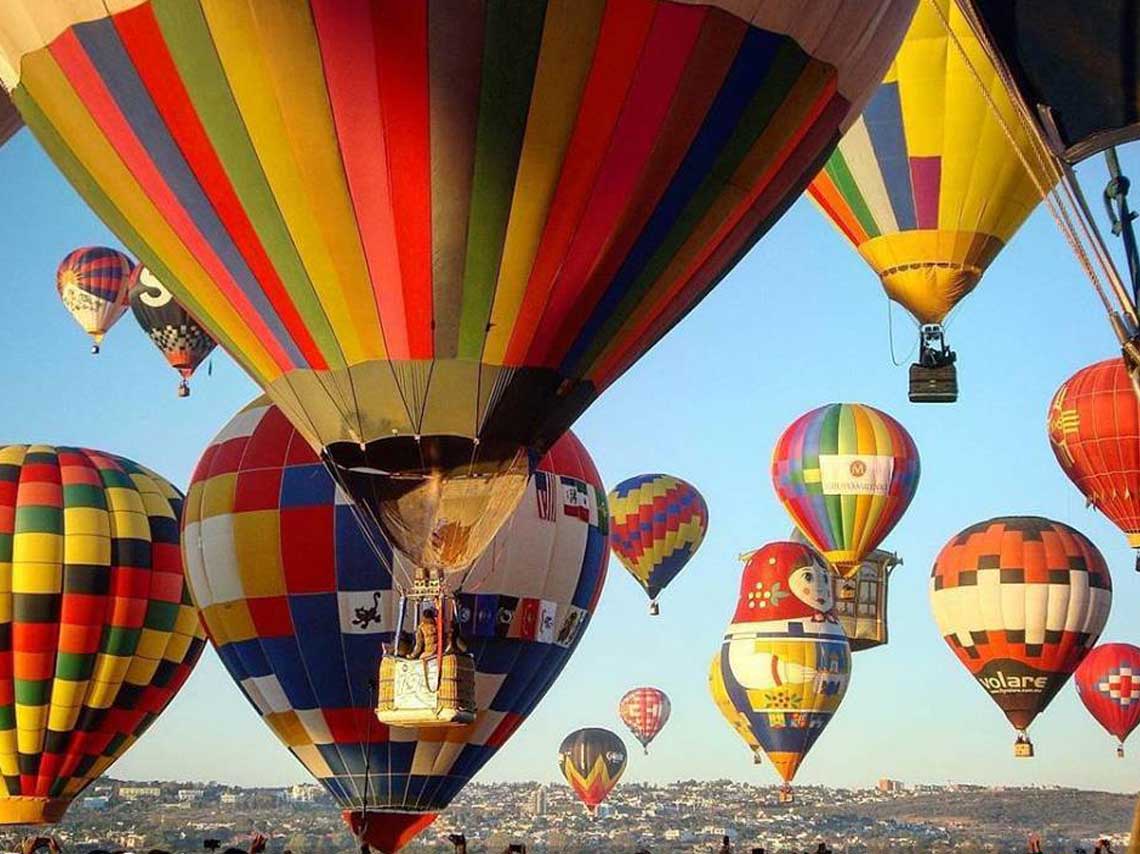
pixel 812 586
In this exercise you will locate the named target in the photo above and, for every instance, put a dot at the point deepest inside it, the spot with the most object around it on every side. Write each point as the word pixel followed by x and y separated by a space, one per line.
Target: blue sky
pixel 800 322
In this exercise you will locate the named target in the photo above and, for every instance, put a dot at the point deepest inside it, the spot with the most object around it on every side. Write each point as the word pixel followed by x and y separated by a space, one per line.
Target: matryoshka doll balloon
pixel 785 661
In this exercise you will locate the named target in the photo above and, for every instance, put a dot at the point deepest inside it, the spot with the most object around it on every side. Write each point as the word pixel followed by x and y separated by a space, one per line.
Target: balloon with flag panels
pixel 657 523
pixel 435 232
pixel 592 760
pixel 1108 683
pixel 846 473
pixel 298 604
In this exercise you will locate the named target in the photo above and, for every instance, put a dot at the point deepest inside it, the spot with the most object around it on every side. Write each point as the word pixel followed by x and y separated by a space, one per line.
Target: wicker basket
pixel 419 692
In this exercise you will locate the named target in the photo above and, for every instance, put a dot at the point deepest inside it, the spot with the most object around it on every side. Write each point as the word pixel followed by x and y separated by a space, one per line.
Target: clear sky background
pixel 800 322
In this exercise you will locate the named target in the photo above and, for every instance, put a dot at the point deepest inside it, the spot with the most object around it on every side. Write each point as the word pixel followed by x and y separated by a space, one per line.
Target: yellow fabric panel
pixel 928 271
pixel 95 551
pixel 272 62
pixel 311 758
pixel 107 678
pixel 259 567
pixel 176 647
pixel 288 728
pixel 218 495
pixel 192 507
pixel 212 616
pixel 86 520
pixel 66 694
pixel 9 764
pixel 236 619
pixel 564 62
pixel 123 501
pixel 141 671
pixel 62 718
pixel 35 577
pixel 920 67
pixel 187 623
pixel 62 107
pixel 30 723
pixel 152 643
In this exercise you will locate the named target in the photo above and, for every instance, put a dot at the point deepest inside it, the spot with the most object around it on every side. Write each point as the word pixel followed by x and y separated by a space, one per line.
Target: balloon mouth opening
pixel 439 499
pixel 30 810
pixel 387 832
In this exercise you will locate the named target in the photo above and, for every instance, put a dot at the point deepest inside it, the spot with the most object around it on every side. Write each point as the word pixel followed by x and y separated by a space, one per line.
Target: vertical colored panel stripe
pixel 926 175
pixel 455 38
pixel 564 62
pixel 512 37
pixel 883 120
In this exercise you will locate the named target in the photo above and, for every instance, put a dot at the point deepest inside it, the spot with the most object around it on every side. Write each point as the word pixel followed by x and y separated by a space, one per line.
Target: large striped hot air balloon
pixel 592 760
pixel 435 232
pixel 297 604
pixel 928 184
pixel 1020 600
pixel 645 711
pixel 1108 683
pixel 785 663
pixel 846 473
pixel 98 629
pixel 1094 429
pixel 183 343
pixel 657 523
pixel 93 285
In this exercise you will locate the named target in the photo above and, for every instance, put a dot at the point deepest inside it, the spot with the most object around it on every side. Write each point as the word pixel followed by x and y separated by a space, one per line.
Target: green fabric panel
pixel 39 520
pixel 6 548
pixel 120 641
pixel 84 495
pixel 161 616
pixel 32 692
pixel 513 37
pixel 74 666
pixel 191 47
pixel 786 70
pixel 841 176
pixel 7 718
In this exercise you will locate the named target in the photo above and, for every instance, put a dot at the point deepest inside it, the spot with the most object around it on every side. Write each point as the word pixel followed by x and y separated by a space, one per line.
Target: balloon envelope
pixel 10 120
pixel 926 184
pixel 645 711
pixel 657 523
pixel 1020 600
pixel 100 633
pixel 846 473
pixel 785 663
pixel 297 604
pixel 592 760
pixel 183 343
pixel 435 232
pixel 1108 683
pixel 93 285
pixel 1094 429
pixel 1083 96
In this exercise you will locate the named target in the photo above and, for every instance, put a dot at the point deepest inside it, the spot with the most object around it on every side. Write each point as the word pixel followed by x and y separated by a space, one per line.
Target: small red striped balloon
pixel 1108 683
pixel 1094 428
pixel 645 711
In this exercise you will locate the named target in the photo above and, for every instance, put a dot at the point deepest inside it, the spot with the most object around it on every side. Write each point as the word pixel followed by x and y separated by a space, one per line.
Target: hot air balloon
pixel 928 184
pixel 738 720
pixel 10 121
pixel 92 282
pixel 434 234
pixel 1108 683
pixel 657 523
pixel 592 760
pixel 846 473
pixel 182 342
pixel 99 629
pixel 645 711
pixel 1020 600
pixel 785 662
pixel 297 605
pixel 1094 428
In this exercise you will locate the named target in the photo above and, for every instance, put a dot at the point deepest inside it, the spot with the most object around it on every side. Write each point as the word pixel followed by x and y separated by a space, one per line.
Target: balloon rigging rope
pixel 1046 163
pixel 891 338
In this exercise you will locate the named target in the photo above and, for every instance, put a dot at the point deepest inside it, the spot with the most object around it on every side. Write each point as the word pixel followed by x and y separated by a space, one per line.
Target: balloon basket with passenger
pixel 786 796
pixel 1023 747
pixel 933 378
pixel 432 684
